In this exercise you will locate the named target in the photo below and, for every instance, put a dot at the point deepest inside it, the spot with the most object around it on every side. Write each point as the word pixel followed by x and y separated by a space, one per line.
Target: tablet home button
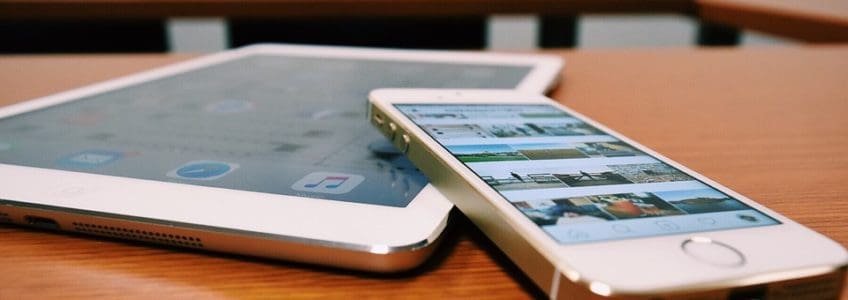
pixel 712 252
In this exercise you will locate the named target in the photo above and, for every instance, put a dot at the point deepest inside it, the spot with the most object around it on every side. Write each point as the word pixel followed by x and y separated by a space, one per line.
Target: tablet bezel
pixel 355 226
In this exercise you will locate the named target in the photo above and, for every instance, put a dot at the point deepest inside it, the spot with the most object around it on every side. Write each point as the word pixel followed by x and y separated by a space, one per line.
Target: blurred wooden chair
pixel 813 21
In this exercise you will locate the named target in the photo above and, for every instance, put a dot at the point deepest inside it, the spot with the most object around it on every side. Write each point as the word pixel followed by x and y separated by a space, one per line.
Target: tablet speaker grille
pixel 139 235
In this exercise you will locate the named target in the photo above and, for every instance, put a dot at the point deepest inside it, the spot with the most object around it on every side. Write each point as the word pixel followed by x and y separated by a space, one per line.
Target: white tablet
pixel 263 150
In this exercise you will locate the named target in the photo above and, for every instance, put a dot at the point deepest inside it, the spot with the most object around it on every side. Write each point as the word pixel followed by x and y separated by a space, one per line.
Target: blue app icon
pixel 203 170
pixel 90 159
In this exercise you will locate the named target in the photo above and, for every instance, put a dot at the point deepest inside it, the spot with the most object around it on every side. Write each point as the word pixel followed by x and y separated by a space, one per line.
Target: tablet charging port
pixel 42 222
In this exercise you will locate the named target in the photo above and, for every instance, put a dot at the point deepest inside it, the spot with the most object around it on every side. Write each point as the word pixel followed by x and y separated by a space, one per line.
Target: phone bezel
pixel 600 263
pixel 334 224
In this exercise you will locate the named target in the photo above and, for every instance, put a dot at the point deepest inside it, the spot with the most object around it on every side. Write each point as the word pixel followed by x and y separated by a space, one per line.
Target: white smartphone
pixel 262 151
pixel 587 212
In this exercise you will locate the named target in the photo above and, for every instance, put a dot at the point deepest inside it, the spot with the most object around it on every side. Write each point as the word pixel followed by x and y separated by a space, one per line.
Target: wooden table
pixel 819 21
pixel 769 123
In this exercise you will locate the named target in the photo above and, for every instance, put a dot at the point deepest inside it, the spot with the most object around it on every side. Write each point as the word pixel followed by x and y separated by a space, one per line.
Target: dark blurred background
pixel 118 35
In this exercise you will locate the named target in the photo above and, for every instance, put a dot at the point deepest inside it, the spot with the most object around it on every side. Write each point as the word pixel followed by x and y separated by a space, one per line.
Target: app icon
pixel 328 183
pixel 203 170
pixel 90 159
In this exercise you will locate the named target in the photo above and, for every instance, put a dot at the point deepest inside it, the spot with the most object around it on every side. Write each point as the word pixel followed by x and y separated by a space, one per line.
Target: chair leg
pixel 558 31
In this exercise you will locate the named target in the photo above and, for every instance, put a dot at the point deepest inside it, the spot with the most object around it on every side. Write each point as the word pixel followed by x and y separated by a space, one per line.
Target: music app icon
pixel 328 183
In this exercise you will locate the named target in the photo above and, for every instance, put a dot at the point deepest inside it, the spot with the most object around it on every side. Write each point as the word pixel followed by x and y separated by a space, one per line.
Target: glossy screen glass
pixel 264 123
pixel 576 182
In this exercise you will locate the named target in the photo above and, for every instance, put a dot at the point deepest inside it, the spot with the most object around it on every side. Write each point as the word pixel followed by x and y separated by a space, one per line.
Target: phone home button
pixel 713 252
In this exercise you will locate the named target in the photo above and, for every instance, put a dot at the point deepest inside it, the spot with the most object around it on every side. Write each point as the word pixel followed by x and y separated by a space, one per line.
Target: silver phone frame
pixel 536 253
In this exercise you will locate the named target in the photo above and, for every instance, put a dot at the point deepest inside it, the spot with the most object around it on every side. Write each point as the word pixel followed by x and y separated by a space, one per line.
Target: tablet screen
pixel 283 125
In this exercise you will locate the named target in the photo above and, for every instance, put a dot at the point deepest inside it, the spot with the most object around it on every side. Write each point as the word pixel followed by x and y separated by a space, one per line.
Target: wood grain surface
pixel 312 8
pixel 820 21
pixel 771 123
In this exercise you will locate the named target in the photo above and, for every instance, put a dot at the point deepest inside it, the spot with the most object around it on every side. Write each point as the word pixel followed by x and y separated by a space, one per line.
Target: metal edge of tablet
pixel 382 250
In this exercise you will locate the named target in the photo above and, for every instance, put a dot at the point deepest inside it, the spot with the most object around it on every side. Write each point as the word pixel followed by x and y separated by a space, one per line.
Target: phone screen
pixel 264 123
pixel 578 183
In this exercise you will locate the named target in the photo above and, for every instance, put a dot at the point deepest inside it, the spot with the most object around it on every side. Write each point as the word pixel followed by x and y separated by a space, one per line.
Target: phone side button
pixel 713 252
pixel 392 130
pixel 405 140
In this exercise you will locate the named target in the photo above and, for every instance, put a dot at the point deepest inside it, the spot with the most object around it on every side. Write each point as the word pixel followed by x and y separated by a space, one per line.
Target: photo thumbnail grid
pixel 512 152
pixel 510 130
pixel 478 112
pixel 540 151
pixel 507 179
pixel 621 206
pixel 577 183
